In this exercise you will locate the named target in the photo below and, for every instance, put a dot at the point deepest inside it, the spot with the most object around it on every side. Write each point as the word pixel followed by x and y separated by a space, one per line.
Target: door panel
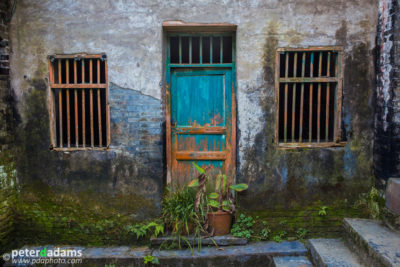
pixel 201 122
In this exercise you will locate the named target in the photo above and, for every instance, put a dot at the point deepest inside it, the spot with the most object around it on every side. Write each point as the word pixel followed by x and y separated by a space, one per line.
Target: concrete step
pixel 252 254
pixel 392 211
pixel 393 195
pixel 376 242
pixel 226 240
pixel 332 253
pixel 291 261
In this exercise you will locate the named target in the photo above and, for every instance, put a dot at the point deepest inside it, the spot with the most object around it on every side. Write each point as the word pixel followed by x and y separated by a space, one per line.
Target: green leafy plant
pixel 301 233
pixel 277 238
pixel 222 198
pixel 372 202
pixel 178 211
pixel 223 195
pixel 265 231
pixel 283 222
pixel 152 228
pixel 243 227
pixel 149 259
pixel 180 216
pixel 200 183
pixel 280 236
pixel 322 211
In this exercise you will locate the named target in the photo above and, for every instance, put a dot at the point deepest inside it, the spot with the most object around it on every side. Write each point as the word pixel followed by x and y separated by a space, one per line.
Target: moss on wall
pixel 45 215
pixel 8 197
pixel 292 181
pixel 308 217
pixel 81 197
pixel 84 197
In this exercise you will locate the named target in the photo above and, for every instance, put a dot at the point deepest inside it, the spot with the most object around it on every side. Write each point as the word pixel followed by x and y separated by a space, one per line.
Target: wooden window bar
pixel 79 102
pixel 308 84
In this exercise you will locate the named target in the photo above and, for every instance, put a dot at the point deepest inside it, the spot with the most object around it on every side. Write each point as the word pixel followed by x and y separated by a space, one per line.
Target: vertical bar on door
pixel 328 73
pixel 190 50
pixel 201 49
pixel 221 49
pixel 83 106
pixel 60 111
pixel 211 48
pixel 311 98
pixel 286 96
pixel 294 96
pixel 180 49
pixel 303 68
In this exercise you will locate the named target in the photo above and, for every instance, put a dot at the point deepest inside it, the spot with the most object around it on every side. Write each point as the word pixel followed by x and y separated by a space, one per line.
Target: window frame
pixel 52 104
pixel 338 101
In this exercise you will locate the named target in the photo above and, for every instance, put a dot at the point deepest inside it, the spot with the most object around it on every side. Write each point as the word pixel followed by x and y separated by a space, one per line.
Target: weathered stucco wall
pixel 7 164
pixel 6 117
pixel 387 121
pixel 130 33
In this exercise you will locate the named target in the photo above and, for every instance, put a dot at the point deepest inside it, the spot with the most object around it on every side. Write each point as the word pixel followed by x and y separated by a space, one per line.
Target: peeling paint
pixel 130 33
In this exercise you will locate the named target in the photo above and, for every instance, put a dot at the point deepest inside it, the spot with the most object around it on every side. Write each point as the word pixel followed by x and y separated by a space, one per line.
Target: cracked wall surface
pixel 130 33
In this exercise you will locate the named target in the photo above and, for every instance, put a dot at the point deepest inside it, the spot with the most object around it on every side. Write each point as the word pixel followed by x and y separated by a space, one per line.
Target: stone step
pixel 332 253
pixel 291 261
pixel 252 254
pixel 226 240
pixel 392 212
pixel 393 195
pixel 374 241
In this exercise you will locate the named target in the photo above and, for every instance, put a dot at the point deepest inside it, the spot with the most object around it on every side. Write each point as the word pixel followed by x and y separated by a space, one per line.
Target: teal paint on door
pixel 201 121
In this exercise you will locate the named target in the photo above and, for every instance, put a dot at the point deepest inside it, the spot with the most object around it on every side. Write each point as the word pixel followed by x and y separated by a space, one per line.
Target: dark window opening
pixel 200 49
pixel 206 50
pixel 308 85
pixel 174 49
pixel 80 102
pixel 196 50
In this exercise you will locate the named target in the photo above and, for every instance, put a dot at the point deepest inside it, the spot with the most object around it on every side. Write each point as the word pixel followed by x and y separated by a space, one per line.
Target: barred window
pixel 79 102
pixel 308 92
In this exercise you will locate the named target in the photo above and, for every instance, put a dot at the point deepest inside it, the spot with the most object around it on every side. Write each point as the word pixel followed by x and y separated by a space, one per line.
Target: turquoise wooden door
pixel 201 122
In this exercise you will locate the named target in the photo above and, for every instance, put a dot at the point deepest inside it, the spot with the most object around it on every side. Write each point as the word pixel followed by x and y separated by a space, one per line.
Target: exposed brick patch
pixel 136 123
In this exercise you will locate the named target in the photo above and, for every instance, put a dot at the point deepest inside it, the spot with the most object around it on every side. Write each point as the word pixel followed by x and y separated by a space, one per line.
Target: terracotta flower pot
pixel 220 222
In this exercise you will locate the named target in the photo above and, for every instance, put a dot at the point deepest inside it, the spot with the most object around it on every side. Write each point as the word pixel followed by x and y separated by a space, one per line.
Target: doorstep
pixel 252 254
pixel 226 240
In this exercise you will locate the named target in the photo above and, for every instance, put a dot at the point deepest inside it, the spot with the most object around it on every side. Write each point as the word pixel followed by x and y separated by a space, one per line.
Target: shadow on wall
pixel 82 197
pixel 295 179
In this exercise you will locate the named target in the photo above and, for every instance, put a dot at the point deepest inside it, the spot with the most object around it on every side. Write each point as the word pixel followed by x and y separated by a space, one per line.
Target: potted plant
pixel 220 203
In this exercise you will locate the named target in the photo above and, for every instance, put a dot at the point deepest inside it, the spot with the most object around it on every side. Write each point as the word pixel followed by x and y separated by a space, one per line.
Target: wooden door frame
pixel 167 89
